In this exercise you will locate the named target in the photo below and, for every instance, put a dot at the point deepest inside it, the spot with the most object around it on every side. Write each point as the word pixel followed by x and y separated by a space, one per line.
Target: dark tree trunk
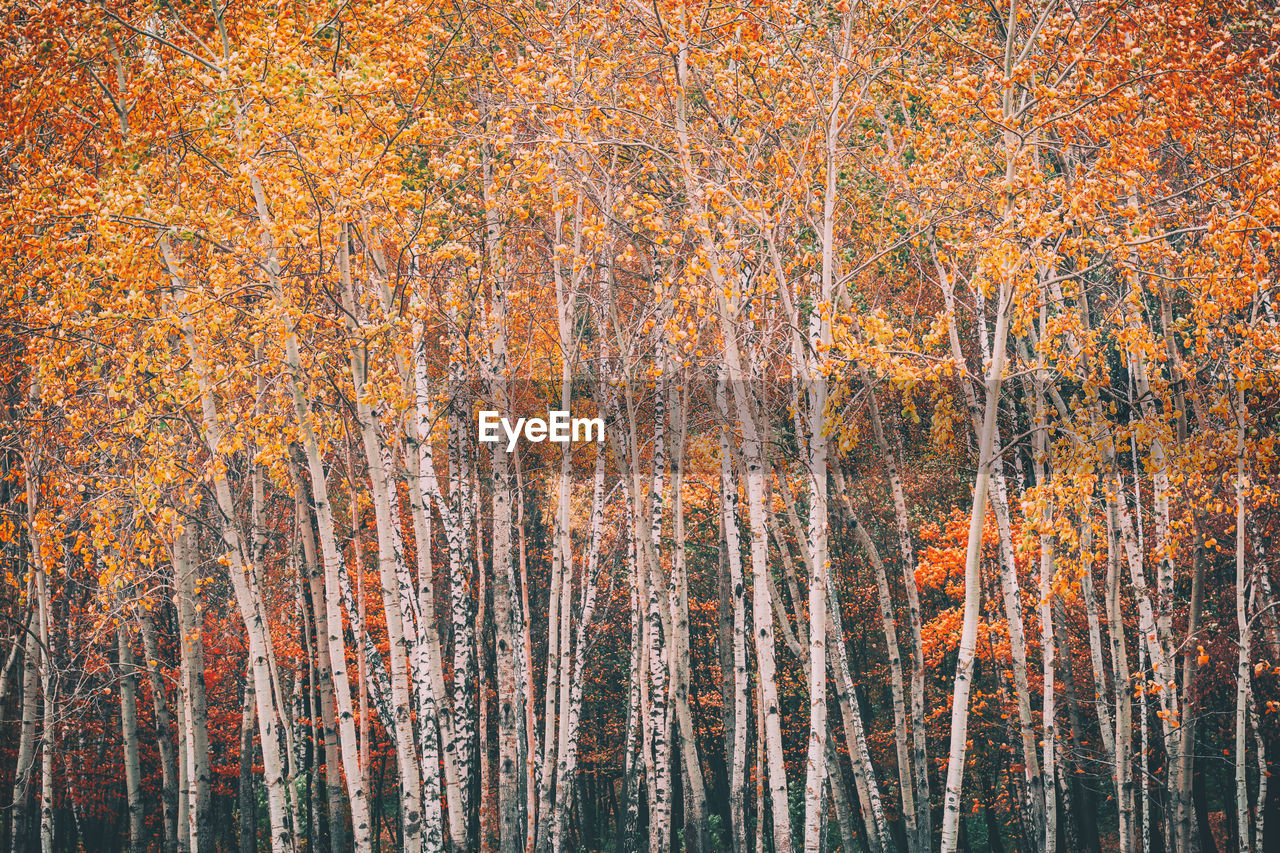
pixel 1200 803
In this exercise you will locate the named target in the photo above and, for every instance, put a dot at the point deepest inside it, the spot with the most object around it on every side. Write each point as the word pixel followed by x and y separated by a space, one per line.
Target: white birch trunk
pixel 969 629
pixel 435 722
pixel 510 825
pixel 352 765
pixel 864 773
pixel 195 703
pixel 658 636
pixel 889 625
pixel 566 773
pixel 426 488
pixel 1243 627
pixel 323 667
pixel 741 679
pixel 400 644
pixel 250 611
pixel 18 832
pixel 1123 698
pixel 697 836
pixel 129 735
pixel 48 678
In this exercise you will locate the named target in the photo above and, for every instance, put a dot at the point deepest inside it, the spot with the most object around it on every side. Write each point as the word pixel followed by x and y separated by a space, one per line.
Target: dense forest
pixel 935 351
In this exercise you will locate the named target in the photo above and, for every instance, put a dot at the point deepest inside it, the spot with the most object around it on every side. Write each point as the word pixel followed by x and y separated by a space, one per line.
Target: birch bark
pixel 509 758
pixel 920 751
pixel 195 703
pixel 569 760
pixel 19 827
pixel 129 735
pixel 1243 627
pixel 352 764
pixel 741 680
pixel 397 600
pixel 323 665
pixel 250 610
pixel 972 580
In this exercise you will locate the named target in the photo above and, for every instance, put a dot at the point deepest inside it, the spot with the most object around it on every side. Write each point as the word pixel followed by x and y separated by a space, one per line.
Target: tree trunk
pixel 657 639
pixel 1123 697
pixel 509 789
pixel 20 831
pixel 919 731
pixel 888 622
pixel 864 772
pixel 434 706
pixel 353 765
pixel 568 768
pixel 1243 682
pixel 129 734
pixel 741 680
pixel 247 797
pixel 323 667
pixel 164 734
pixel 972 580
pixel 697 836
pixel 195 713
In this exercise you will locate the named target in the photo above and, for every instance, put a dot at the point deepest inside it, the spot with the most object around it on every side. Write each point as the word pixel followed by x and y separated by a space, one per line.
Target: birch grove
pixel 553 426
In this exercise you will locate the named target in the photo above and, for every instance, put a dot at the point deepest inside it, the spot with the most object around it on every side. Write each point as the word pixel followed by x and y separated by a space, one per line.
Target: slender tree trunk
pixel 840 795
pixel 697 836
pixel 632 749
pixel 1123 697
pixel 1243 683
pixel 250 610
pixel 184 769
pixel 864 772
pixel 129 733
pixel 164 733
pixel 509 789
pixel 889 624
pixel 557 646
pixel 510 824
pixel 49 694
pixel 1187 730
pixel 741 681
pixel 416 597
pixel 658 638
pixel 568 769
pixel 1011 594
pixel 353 764
pixel 488 814
pixel 1106 727
pixel 19 835
pixel 329 599
pixel 920 752
pixel 762 611
pixel 195 704
pixel 323 667
pixel 815 766
pixel 531 748
pixel 399 597
pixel 434 706
pixel 1048 716
pixel 40 553
pixel 728 688
pixel 972 580
pixel 246 795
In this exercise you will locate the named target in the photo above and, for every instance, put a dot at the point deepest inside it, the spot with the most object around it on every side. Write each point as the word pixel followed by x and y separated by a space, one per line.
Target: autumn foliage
pixel 937 355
